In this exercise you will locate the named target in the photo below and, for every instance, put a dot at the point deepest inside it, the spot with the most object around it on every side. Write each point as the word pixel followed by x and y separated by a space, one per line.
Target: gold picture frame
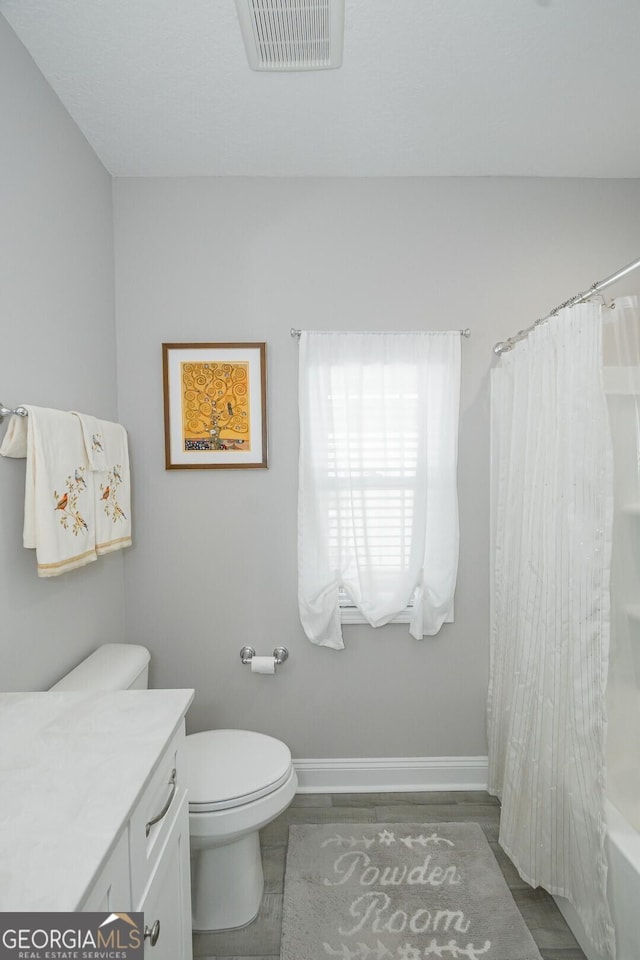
pixel 215 405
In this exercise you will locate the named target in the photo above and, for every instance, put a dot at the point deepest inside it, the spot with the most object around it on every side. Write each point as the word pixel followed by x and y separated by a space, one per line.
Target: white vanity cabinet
pixel 149 868
pixel 159 850
pixel 167 901
pixel 95 809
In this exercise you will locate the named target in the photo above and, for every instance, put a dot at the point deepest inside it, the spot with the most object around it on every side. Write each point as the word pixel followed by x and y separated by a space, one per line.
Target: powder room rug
pixel 398 891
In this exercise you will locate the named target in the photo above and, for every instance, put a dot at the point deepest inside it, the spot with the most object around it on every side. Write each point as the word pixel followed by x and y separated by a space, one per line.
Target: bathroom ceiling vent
pixel 292 34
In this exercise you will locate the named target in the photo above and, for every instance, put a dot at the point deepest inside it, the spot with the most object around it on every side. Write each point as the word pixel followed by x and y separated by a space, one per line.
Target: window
pixel 370 482
pixel 378 415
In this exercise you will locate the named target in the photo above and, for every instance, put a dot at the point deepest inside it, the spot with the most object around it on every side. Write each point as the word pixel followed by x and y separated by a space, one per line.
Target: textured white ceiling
pixel 427 88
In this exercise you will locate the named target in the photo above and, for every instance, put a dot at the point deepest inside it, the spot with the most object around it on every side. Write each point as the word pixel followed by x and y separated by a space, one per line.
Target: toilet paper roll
pixel 263 664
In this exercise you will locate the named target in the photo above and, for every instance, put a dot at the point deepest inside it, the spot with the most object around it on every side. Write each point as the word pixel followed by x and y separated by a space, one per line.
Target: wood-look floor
pixel 260 940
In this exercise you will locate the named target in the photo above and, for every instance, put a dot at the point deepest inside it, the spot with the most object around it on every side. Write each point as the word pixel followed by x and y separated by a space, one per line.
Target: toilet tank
pixel 113 666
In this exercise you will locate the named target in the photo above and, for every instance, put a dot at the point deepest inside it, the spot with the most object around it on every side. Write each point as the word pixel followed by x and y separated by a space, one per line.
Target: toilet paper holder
pixel 280 654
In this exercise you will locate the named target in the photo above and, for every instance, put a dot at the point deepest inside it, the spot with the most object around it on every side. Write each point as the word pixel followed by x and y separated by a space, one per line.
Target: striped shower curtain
pixel 552 502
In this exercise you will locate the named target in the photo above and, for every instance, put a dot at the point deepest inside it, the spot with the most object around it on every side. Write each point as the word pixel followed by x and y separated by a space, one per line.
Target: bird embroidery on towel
pixel 96 442
pixel 110 495
pixel 67 503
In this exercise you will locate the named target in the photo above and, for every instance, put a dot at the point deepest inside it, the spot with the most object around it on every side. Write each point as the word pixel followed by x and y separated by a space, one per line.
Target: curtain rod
pixel 504 345
pixel 296 333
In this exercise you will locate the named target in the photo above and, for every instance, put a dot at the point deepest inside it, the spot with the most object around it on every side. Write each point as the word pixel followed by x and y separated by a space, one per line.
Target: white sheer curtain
pixel 377 501
pixel 551 517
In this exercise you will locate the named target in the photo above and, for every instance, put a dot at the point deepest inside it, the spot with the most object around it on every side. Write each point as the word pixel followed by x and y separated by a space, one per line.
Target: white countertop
pixel 72 766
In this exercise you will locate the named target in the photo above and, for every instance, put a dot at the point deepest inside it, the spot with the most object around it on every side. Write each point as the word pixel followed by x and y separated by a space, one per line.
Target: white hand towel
pixel 113 491
pixel 93 440
pixel 14 443
pixel 59 515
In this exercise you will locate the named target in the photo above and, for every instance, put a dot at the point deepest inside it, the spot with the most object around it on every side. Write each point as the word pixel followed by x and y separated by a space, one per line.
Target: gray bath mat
pixel 398 891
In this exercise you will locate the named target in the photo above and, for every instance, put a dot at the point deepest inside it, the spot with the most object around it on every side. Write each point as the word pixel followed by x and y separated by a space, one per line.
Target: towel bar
pixel 6 412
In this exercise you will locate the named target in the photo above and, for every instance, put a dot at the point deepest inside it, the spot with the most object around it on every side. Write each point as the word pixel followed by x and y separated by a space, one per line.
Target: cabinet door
pixel 167 903
pixel 111 891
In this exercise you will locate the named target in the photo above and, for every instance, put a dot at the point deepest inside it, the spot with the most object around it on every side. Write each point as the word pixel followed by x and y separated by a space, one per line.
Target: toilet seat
pixel 229 768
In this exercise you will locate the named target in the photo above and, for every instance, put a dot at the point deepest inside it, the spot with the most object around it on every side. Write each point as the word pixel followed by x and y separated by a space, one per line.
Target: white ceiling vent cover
pixel 292 34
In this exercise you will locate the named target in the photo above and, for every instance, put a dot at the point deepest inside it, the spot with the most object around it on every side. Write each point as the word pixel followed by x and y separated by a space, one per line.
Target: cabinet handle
pixel 152 934
pixel 159 816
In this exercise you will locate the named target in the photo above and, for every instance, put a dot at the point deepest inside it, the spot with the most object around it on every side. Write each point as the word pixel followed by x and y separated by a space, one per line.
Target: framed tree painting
pixel 215 405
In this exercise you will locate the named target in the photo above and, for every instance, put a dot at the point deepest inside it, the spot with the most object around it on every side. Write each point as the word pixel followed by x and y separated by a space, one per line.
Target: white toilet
pixel 237 782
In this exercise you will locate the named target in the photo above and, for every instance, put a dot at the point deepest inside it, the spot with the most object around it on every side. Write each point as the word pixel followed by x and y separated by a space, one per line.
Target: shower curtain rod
pixel 507 344
pixel 296 333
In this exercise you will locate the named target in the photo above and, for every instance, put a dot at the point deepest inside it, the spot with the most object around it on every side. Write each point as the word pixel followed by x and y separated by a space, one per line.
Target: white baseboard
pixel 391 774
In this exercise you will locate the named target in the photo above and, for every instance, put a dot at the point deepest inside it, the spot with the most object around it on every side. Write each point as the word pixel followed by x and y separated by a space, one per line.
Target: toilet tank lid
pixel 113 666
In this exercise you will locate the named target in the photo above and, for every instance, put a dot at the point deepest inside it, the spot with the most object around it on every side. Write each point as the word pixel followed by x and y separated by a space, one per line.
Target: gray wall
pixel 214 565
pixel 57 350
pixel 214 561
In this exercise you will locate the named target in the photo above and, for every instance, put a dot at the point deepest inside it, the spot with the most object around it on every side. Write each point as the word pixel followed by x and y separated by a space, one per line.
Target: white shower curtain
pixel 552 501
pixel 622 387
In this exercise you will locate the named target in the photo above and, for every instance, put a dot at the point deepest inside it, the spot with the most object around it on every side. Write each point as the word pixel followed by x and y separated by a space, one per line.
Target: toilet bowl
pixel 237 782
